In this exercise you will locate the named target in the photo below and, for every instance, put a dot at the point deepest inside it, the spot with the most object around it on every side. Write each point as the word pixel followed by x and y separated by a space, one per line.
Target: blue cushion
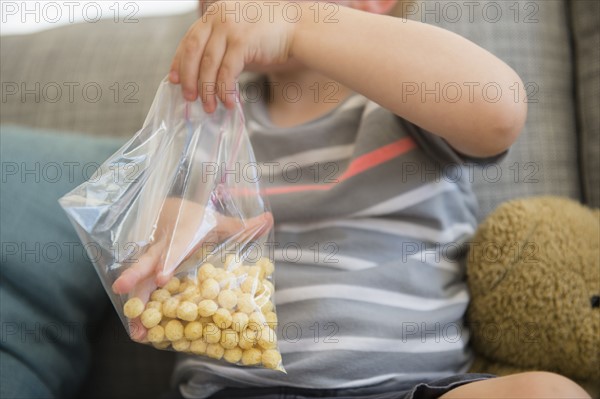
pixel 50 295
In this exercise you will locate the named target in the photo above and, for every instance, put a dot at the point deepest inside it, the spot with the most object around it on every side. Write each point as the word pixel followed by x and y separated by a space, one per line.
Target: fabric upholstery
pixel 585 19
pixel 533 38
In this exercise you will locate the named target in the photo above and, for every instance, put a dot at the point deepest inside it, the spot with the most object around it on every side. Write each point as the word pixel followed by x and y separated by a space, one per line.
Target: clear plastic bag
pixel 178 231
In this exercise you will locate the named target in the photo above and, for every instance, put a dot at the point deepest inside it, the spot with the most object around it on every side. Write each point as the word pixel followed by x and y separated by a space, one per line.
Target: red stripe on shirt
pixel 361 164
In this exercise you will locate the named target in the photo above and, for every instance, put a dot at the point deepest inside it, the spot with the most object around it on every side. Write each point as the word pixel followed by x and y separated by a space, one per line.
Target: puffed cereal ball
pixel 133 308
pixel 174 330
pixel 267 338
pixel 160 295
pixel 246 303
pixel 207 308
pixel 251 357
pixel 156 334
pixel 173 285
pixel 150 317
pixel 187 311
pixel 260 291
pixel 229 339
pixel 206 271
pixel 239 321
pixel 267 307
pixel 193 331
pixel 268 286
pixel 190 292
pixel 247 338
pixel 256 321
pixel 271 358
pixel 154 305
pixel 271 319
pixel 161 345
pixel 198 347
pixel 226 280
pixel 215 351
pixel 250 285
pixel 184 285
pixel 227 299
pixel 164 321
pixel 181 345
pixel 169 307
pixel 241 271
pixel 212 333
pixel 210 288
pixel 261 299
pixel 232 262
pixel 257 272
pixel 266 265
pixel 219 274
pixel 222 318
pixel 233 355
pixel 196 298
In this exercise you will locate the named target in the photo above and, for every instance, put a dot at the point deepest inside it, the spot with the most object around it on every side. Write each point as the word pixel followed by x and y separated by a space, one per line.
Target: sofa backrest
pixel 534 39
pixel 101 78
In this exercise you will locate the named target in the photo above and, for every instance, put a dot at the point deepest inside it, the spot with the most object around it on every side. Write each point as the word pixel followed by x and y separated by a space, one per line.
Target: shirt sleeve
pixel 439 149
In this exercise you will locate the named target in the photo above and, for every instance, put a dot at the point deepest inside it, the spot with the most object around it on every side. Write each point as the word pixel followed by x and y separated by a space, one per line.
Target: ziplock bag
pixel 178 231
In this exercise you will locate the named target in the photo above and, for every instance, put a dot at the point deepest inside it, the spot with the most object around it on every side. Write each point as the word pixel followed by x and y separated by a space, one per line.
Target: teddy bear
pixel 533 271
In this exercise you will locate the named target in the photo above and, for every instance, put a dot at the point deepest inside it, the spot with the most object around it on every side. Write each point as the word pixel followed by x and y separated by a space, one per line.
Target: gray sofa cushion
pixel 585 17
pixel 533 38
pixel 126 61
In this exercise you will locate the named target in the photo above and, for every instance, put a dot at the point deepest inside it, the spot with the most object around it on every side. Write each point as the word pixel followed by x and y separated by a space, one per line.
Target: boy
pixel 385 198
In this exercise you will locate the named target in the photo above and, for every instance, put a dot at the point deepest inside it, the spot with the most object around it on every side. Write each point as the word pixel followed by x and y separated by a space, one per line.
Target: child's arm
pixel 387 58
pixel 381 57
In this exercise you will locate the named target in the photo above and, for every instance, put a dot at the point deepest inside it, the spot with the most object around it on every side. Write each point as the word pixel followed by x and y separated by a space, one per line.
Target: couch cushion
pixel 113 70
pixel 585 17
pixel 533 38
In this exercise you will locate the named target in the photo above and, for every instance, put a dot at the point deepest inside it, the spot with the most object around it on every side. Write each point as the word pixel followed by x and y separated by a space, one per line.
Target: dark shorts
pixel 429 390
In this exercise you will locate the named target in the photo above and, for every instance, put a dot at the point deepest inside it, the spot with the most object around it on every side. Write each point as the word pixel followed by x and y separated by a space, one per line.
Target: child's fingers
pixel 211 60
pixel 163 275
pixel 137 331
pixel 142 290
pixel 231 67
pixel 138 271
pixel 174 71
pixel 191 54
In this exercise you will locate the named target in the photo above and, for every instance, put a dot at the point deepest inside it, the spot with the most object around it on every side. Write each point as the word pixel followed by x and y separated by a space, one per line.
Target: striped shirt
pixel 372 215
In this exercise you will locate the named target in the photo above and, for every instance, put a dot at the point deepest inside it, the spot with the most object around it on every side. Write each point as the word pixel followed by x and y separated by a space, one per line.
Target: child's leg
pixel 50 295
pixel 534 384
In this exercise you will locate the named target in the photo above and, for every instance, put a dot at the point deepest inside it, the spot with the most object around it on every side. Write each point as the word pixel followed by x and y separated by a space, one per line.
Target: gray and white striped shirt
pixel 371 219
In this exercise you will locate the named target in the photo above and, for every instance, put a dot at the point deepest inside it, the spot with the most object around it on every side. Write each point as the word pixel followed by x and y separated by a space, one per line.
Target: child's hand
pixel 177 238
pixel 222 42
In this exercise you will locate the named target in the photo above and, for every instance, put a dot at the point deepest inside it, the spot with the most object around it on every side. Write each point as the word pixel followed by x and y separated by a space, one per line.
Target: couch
pixel 553 44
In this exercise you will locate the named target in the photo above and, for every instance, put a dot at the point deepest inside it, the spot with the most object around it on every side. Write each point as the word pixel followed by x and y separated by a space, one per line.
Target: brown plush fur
pixel 533 269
